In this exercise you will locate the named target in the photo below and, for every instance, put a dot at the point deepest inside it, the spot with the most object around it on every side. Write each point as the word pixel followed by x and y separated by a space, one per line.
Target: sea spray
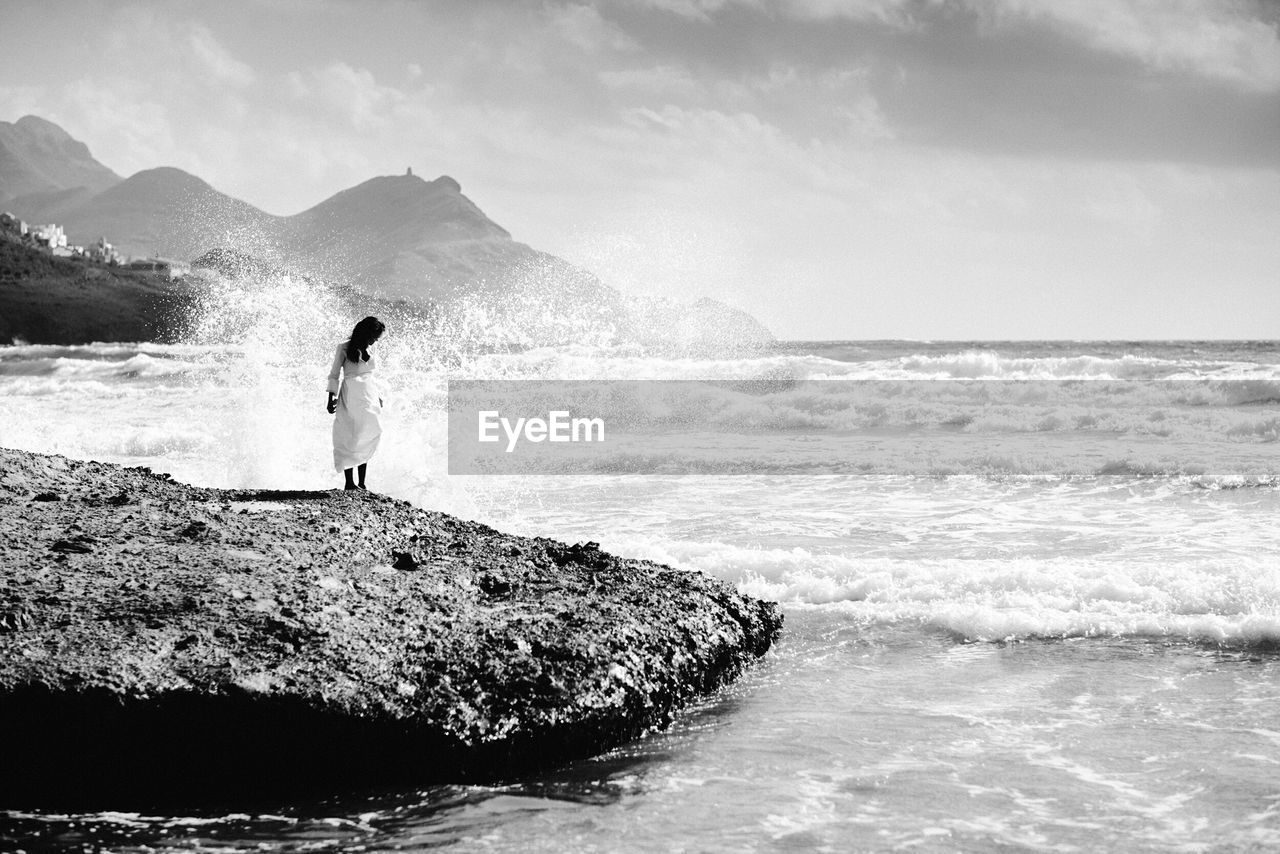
pixel 974 656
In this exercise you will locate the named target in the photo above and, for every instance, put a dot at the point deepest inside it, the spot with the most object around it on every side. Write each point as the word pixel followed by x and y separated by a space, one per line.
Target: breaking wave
pixel 1064 441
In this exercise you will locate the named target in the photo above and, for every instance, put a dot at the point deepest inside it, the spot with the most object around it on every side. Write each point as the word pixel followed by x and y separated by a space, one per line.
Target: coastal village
pixel 52 238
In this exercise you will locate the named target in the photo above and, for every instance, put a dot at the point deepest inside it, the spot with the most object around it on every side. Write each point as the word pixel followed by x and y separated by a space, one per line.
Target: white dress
pixel 357 424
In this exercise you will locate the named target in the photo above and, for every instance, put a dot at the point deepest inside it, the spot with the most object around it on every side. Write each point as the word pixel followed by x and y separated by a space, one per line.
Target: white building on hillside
pixel 102 252
pixel 50 235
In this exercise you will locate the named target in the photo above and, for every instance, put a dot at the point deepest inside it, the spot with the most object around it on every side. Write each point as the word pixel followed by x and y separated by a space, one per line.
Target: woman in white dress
pixel 354 399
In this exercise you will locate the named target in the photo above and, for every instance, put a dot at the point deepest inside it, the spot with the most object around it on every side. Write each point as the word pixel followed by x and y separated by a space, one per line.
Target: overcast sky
pixel 841 168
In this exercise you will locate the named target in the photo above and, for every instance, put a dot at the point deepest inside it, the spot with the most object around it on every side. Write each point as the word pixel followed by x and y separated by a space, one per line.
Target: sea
pixel 1057 629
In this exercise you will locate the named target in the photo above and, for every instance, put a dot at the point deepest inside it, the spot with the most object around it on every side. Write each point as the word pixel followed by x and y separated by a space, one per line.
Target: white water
pixel 983 553
pixel 979 655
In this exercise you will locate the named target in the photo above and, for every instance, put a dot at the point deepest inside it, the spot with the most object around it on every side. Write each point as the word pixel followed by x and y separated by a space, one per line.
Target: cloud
pixel 1223 40
pixel 126 115
pixel 792 157
pixel 835 102
pixel 1216 40
pixel 353 95
pixel 668 80
pixel 187 100
pixel 886 11
pixel 700 10
pixel 214 59
pixel 170 95
pixel 894 12
pixel 139 35
pixel 584 27
pixel 17 100
pixel 889 239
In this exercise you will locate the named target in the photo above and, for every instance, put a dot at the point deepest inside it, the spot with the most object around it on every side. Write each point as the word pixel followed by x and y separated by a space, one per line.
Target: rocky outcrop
pixel 160 641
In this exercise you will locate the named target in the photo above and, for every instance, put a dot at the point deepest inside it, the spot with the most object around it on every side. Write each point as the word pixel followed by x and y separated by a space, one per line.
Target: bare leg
pixel 351 484
pixel 363 468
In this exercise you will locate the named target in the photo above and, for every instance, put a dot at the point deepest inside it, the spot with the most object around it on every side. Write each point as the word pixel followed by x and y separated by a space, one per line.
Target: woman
pixel 355 400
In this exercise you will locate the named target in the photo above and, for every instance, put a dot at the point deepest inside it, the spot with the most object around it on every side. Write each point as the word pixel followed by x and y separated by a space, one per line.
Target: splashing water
pixel 974 659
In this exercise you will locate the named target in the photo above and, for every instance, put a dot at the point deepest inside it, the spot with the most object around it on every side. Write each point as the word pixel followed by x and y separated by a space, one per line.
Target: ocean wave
pixel 1232 602
pixel 758 416
pixel 636 362
pixel 102 362
pixel 922 428
pixel 986 364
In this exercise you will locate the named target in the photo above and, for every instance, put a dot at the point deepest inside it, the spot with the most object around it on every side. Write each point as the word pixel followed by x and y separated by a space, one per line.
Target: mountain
pixel 396 237
pixel 49 205
pixel 37 156
pixel 401 237
pixel 162 211
pixel 393 238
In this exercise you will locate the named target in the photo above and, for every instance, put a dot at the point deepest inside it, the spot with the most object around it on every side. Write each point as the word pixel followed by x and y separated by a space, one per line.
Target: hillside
pixel 164 211
pixel 50 205
pixel 37 156
pixel 393 237
pixel 45 300
pixel 400 239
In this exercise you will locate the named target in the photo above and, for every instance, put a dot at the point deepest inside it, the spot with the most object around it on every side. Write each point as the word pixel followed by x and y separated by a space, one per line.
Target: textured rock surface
pixel 159 639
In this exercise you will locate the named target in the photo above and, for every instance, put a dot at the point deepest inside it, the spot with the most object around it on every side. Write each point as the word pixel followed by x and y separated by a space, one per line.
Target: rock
pixel 145 660
pixel 14 618
pixel 404 560
pixel 80 544
pixel 196 530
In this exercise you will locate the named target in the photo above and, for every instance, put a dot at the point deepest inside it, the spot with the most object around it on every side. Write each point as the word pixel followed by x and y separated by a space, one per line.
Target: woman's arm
pixel 335 372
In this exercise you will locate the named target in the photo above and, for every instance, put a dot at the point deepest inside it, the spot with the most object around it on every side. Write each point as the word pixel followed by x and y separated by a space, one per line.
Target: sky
pixel 842 169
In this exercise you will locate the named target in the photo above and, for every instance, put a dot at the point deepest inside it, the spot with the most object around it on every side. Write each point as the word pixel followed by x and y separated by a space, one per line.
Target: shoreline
pixel 319 641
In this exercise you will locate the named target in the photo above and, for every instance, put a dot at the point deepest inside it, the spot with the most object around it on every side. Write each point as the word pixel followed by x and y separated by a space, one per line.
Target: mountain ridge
pixel 395 236
pixel 37 155
pixel 392 237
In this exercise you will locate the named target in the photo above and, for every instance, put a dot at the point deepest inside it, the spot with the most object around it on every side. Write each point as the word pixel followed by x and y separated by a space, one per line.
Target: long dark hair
pixel 366 332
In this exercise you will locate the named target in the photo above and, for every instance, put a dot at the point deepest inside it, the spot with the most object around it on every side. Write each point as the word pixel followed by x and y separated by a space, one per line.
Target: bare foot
pixel 351 486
